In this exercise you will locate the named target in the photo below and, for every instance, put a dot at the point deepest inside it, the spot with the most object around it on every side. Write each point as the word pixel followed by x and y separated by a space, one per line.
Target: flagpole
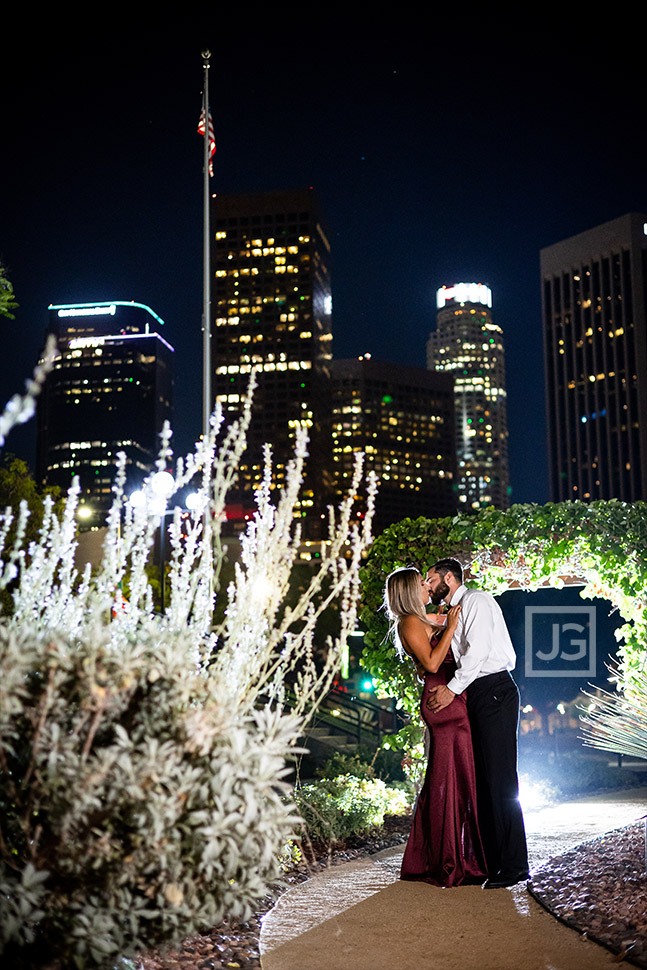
pixel 206 265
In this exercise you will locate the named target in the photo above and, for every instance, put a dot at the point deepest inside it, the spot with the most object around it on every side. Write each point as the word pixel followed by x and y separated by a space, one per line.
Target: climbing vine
pixel 602 544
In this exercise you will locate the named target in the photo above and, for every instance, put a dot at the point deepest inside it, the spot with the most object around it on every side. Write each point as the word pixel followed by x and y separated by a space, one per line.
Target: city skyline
pixel 435 160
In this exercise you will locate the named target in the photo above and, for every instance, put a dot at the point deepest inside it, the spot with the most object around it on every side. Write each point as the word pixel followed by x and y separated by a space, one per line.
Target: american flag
pixel 212 139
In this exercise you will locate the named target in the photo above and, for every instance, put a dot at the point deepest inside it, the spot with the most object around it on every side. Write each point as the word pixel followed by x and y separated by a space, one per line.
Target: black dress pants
pixel 493 708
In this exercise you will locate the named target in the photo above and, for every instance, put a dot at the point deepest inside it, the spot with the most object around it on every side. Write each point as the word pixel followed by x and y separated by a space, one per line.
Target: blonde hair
pixel 402 598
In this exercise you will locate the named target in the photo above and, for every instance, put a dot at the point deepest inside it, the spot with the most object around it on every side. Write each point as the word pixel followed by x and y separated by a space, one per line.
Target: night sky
pixel 441 153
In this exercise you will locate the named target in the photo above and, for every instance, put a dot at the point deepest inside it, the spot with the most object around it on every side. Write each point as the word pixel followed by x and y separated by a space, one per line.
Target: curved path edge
pixel 573 925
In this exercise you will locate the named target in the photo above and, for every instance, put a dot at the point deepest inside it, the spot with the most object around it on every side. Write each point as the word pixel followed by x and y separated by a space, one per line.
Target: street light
pixel 155 500
pixel 137 498
pixel 196 502
pixel 163 484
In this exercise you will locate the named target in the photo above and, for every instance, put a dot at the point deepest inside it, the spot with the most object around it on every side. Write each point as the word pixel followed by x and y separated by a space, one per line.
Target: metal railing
pixel 361 720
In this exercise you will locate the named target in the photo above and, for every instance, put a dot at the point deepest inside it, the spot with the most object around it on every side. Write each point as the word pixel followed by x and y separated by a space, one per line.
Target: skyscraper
pixel 594 290
pixel 402 419
pixel 110 390
pixel 469 345
pixel 272 309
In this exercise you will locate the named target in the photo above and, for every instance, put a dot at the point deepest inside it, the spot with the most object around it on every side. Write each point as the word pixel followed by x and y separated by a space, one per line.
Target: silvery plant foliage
pixel 143 757
pixel 617 722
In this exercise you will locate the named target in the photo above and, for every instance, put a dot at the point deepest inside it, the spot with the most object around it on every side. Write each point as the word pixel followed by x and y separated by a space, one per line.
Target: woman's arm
pixel 413 633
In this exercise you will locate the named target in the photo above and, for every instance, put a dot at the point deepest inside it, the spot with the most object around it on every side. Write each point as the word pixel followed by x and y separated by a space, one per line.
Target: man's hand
pixel 440 697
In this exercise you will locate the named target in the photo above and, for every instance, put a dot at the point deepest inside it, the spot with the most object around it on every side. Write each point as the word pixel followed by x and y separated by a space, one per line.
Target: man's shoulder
pixel 477 594
pixel 474 599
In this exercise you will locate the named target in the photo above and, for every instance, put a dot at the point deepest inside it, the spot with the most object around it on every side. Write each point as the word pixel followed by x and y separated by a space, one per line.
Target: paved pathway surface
pixel 359 916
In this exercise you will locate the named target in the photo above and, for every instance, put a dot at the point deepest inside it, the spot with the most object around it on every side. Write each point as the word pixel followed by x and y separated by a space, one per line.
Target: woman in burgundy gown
pixel 444 846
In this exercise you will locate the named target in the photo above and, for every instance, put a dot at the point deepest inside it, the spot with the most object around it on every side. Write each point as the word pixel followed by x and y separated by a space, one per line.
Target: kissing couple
pixel 468 825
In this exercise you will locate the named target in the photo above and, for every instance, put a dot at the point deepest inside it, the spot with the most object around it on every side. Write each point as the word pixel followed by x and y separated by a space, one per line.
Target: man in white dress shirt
pixel 484 657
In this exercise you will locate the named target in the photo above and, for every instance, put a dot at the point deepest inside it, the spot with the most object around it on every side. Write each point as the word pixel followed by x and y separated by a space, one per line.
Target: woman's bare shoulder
pixel 411 620
pixel 414 625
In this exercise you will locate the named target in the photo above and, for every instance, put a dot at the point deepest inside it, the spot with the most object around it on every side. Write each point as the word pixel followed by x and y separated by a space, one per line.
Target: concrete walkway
pixel 359 916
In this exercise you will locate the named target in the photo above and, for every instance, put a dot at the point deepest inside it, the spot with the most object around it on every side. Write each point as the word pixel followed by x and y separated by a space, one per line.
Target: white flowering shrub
pixel 143 757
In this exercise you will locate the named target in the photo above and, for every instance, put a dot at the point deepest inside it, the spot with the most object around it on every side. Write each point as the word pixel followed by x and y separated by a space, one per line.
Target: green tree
pixel 7 301
pixel 16 486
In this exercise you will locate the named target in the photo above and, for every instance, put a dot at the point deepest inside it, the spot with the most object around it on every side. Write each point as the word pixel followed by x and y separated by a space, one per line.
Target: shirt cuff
pixel 454 686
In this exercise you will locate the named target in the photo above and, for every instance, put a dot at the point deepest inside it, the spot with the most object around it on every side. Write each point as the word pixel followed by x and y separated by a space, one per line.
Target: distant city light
pixel 78 343
pixel 464 293
pixel 100 308
pixel 91 311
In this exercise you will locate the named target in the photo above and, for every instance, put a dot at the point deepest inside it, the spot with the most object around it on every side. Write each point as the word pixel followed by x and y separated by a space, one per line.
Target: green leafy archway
pixel 602 545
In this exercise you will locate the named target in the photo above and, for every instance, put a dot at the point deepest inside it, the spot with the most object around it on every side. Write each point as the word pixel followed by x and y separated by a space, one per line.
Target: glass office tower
pixel 110 390
pixel 272 312
pixel 595 341
pixel 402 420
pixel 468 345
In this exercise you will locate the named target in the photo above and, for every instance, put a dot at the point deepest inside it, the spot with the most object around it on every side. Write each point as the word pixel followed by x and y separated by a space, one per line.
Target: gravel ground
pixel 599 888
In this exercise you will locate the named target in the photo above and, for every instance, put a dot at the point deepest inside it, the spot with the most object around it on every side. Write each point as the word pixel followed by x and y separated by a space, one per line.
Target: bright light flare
pixel 262 592
pixel 533 794
pixel 157 505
